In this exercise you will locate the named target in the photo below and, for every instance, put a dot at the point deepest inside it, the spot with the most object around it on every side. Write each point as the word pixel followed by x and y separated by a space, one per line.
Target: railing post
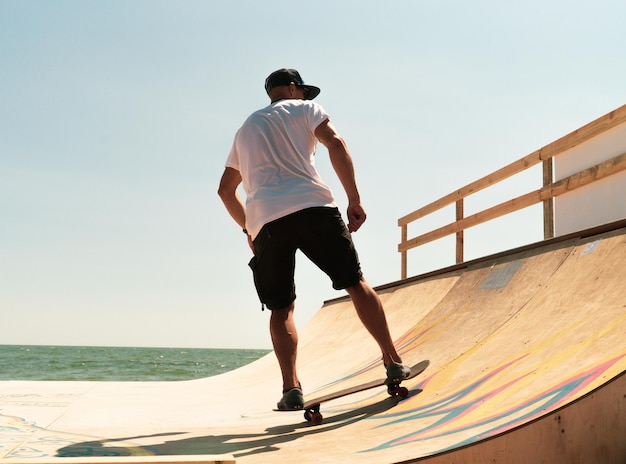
pixel 459 235
pixel 403 257
pixel 548 204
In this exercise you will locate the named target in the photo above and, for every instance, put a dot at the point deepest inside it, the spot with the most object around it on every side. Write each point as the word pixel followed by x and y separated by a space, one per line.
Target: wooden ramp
pixel 527 356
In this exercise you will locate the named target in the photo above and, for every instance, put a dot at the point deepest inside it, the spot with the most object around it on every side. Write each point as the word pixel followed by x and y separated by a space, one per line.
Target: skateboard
pixel 311 407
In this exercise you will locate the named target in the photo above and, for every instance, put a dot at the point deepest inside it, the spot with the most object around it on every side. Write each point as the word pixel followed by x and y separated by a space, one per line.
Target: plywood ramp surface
pixel 527 354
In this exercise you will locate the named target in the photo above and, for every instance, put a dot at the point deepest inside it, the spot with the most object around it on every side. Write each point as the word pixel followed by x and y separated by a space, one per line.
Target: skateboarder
pixel 288 207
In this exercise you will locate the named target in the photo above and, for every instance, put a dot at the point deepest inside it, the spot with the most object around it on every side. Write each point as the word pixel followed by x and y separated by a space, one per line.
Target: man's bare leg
pixel 370 310
pixel 285 341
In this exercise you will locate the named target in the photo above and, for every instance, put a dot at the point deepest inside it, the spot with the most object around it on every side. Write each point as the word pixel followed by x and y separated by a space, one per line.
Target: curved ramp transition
pixel 527 354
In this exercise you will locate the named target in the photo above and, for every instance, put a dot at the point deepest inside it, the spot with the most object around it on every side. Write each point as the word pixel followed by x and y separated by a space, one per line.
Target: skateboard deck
pixel 311 406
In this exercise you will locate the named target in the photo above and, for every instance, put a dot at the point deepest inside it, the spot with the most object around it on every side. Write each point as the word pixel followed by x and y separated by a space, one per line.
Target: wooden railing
pixel 546 194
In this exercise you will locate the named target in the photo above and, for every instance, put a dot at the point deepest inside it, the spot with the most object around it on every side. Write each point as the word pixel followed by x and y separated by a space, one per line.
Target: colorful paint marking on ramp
pixel 527 352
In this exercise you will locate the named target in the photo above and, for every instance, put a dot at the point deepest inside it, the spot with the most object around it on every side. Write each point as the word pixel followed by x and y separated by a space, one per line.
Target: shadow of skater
pixel 236 444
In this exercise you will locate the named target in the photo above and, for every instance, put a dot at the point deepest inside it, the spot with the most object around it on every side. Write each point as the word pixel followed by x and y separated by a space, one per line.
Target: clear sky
pixel 116 118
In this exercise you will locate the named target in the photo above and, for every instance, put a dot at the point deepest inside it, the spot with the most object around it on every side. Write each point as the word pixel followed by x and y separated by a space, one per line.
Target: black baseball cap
pixel 286 76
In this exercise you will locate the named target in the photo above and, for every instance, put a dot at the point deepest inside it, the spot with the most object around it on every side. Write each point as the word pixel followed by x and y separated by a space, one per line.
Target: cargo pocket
pixel 252 265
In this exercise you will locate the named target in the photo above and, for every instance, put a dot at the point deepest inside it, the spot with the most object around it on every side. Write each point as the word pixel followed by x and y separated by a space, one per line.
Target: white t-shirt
pixel 274 151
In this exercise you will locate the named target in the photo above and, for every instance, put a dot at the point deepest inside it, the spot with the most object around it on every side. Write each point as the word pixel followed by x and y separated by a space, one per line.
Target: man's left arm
pixel 342 164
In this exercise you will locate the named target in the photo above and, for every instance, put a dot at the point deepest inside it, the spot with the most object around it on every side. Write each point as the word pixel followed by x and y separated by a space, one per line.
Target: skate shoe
pixel 396 373
pixel 292 399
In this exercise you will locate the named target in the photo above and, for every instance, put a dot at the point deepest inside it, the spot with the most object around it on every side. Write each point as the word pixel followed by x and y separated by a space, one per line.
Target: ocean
pixel 35 362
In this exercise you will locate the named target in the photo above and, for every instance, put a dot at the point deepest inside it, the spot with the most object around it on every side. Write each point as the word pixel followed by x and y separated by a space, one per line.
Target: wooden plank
pixel 585 133
pixel 493 178
pixel 586 176
pixel 501 209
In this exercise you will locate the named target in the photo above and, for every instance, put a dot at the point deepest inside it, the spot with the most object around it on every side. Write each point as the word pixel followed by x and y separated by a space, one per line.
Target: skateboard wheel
pixel 316 418
pixel 397 390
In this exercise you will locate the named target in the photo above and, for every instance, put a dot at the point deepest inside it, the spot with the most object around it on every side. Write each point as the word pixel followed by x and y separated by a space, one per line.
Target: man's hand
pixel 356 217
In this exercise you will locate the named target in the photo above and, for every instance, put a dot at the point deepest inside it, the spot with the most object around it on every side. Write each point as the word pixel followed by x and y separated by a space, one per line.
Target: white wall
pixel 599 203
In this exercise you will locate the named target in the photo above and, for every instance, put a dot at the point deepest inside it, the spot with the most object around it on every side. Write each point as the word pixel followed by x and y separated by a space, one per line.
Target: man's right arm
pixel 231 178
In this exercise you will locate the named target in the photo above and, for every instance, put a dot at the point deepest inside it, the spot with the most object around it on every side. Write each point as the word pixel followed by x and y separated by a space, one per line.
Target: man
pixel 288 207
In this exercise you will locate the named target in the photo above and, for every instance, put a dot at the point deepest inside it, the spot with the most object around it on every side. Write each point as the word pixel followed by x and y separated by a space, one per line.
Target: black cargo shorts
pixel 321 234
